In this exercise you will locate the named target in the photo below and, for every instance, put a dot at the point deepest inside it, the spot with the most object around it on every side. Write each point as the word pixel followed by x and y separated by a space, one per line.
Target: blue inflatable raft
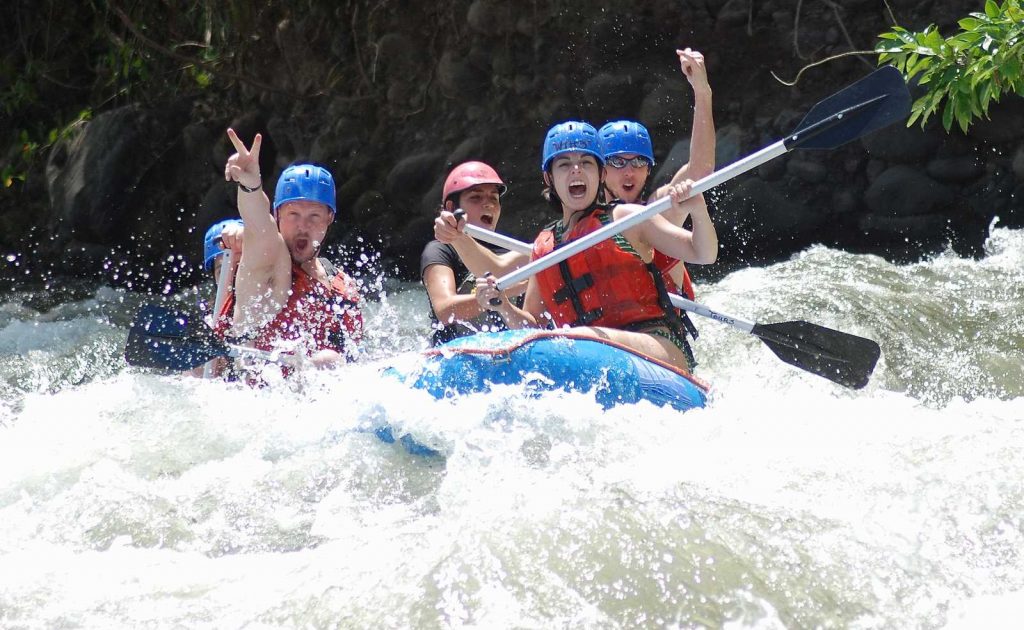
pixel 548 361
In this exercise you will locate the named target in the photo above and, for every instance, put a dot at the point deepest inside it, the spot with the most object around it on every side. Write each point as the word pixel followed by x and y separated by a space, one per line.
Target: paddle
pixel 871 103
pixel 218 302
pixel 840 357
pixel 171 340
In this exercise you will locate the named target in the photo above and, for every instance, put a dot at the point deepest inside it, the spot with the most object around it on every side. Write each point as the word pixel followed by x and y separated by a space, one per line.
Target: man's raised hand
pixel 244 165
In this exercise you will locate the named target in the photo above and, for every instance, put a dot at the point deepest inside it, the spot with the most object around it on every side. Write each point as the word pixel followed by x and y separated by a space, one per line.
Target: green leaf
pixel 969 23
pixel 965 40
pixel 981 78
pixel 962 112
pixel 888 48
pixel 914 115
pixel 1011 67
pixel 911 62
pixel 204 79
pixel 947 115
pixel 904 35
pixel 991 8
pixel 922 64
pixel 932 39
pixel 922 108
pixel 984 95
pixel 972 105
pixel 965 122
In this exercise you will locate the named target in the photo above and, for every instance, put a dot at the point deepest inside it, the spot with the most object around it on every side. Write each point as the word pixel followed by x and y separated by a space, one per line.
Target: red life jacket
pixel 321 317
pixel 667 263
pixel 604 285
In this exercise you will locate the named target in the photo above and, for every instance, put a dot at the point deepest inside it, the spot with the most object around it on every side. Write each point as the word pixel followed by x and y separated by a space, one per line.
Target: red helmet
pixel 469 174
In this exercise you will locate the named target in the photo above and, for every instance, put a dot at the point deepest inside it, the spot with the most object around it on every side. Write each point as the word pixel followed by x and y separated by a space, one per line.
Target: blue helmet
pixel 625 136
pixel 305 182
pixel 568 137
pixel 211 248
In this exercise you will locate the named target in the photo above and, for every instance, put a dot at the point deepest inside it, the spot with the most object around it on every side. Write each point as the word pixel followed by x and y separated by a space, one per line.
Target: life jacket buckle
pixel 591 316
pixel 574 287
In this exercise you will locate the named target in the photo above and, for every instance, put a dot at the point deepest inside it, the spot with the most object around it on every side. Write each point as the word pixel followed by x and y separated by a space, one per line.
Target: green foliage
pixel 966 72
pixel 30 150
pixel 15 172
pixel 59 62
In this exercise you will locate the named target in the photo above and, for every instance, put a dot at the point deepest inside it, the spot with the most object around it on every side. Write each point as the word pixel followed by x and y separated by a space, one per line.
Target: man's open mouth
pixel 487 219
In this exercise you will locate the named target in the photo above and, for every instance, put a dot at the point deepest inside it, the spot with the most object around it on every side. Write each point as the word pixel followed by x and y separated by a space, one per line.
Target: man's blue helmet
pixel 211 248
pixel 625 136
pixel 568 137
pixel 305 182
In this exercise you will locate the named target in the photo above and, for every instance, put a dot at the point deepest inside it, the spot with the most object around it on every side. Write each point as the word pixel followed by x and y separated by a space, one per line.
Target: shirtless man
pixel 286 296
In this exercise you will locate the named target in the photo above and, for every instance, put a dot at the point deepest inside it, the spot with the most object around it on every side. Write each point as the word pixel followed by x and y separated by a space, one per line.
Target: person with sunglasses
pixel 610 291
pixel 629 158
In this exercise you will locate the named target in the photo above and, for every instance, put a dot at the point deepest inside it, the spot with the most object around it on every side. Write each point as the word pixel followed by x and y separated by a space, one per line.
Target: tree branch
pixel 167 52
pixel 818 63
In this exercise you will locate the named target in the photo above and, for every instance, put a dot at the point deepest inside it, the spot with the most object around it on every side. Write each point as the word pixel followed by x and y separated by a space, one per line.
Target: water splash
pixel 130 498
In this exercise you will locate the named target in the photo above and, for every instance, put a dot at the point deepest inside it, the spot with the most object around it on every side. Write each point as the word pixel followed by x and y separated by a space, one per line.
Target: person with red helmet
pixel 450 263
pixel 286 296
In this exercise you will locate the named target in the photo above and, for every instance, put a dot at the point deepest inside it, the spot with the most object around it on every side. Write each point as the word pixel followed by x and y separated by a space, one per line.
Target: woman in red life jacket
pixel 629 158
pixel 286 296
pixel 611 290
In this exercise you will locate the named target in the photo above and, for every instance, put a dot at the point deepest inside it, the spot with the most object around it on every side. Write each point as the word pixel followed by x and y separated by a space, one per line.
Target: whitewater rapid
pixel 135 499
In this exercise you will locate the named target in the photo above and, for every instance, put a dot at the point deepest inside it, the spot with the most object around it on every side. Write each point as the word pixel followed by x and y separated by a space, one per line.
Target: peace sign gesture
pixel 244 166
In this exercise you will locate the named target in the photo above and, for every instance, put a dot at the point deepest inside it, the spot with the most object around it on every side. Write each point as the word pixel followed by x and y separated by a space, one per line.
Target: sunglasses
pixel 617 161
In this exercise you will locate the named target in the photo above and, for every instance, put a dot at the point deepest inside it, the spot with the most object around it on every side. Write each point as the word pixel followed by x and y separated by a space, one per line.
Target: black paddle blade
pixel 840 357
pixel 877 100
pixel 170 340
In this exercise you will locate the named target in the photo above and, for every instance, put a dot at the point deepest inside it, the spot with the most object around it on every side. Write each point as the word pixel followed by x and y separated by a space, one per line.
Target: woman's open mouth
pixel 577 188
pixel 487 220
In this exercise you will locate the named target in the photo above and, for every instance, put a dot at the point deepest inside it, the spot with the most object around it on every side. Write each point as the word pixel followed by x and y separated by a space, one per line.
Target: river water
pixel 130 499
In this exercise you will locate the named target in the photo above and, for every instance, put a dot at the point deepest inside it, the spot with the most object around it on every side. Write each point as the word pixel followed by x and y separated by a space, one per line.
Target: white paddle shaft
pixel 218 301
pixel 678 301
pixel 714 179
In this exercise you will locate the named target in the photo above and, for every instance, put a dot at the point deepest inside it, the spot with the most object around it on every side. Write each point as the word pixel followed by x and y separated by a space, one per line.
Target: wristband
pixel 250 190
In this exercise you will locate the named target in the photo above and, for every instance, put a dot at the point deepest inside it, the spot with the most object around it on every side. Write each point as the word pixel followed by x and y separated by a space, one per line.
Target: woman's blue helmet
pixel 305 182
pixel 211 248
pixel 625 136
pixel 568 137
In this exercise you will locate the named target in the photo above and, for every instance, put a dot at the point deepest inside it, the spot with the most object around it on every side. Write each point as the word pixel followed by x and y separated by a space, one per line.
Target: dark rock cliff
pixel 390 94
